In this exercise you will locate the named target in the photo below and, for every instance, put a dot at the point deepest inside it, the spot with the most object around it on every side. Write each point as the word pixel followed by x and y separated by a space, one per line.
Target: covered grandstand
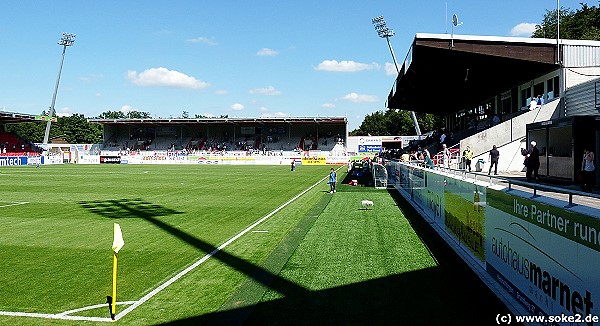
pixel 225 134
pixel 484 86
pixel 11 144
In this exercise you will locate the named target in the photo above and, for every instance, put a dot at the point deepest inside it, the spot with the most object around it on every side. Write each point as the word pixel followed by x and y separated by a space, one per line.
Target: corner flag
pixel 117 245
pixel 117 239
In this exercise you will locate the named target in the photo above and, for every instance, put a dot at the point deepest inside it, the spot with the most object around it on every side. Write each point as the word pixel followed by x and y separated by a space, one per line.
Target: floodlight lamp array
pixel 380 26
pixel 67 39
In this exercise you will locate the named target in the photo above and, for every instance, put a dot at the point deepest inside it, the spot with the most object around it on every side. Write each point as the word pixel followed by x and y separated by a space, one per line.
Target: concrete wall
pixel 509 137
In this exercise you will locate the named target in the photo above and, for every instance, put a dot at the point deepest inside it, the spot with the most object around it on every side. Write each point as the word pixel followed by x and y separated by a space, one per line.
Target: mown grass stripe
pixel 251 291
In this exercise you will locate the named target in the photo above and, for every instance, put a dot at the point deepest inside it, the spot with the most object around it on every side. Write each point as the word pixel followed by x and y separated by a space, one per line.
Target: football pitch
pixel 210 244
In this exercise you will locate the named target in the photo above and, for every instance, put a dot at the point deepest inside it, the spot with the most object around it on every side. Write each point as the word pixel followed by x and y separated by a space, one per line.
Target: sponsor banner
pixel 35 160
pixel 318 160
pixel 88 159
pixel 464 212
pixel 13 160
pixel 53 159
pixel 425 188
pixel 519 296
pixel 337 160
pixel 110 159
pixel 369 148
pixel 549 254
pixel 208 161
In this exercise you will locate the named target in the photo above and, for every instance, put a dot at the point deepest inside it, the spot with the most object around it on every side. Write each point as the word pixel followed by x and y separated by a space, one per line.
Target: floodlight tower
pixel 67 39
pixel 384 32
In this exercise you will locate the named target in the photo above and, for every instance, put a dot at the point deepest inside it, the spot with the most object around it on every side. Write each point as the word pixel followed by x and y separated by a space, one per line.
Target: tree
pixel 395 123
pixel 32 131
pixel 77 130
pixel 581 24
pixel 112 115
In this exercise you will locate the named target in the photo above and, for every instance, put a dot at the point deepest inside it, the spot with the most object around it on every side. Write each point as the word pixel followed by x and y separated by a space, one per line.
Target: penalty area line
pixel 212 253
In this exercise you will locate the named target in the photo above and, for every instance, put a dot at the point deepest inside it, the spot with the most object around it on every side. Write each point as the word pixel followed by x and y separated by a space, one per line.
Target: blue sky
pixel 236 58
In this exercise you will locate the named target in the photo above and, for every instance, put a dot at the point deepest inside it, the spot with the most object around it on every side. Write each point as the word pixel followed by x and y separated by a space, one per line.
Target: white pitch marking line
pixel 15 204
pixel 66 315
pixel 100 305
pixel 260 231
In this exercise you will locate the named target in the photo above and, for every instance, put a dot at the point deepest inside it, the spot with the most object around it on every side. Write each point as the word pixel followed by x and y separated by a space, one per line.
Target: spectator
pixel 532 103
pixel 494 156
pixel 445 156
pixel 588 171
pixel 468 156
pixel 533 163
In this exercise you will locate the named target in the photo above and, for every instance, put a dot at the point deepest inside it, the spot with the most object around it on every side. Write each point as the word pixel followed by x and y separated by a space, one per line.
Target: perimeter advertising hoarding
pixel 13 160
pixel 318 160
pixel 110 159
pixel 546 257
pixel 364 144
pixel 465 215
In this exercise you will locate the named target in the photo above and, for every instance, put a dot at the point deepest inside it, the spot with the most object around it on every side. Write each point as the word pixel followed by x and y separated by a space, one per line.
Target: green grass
pixel 321 259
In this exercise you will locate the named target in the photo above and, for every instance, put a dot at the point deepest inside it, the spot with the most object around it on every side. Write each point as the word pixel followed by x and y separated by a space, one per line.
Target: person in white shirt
pixel 588 171
pixel 532 103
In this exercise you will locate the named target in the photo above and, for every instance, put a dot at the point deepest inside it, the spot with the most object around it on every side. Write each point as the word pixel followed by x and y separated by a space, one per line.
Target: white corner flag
pixel 117 239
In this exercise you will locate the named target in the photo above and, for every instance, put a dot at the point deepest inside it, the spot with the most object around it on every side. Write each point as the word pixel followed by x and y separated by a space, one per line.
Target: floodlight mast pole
pixel 384 32
pixel 67 39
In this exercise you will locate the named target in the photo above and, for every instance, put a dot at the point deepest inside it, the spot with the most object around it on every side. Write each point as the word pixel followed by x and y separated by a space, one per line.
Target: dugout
pixel 561 143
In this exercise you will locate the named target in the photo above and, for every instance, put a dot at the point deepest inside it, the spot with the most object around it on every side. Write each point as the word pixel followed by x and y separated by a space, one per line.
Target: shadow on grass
pixel 425 297
pixel 127 208
pixel 449 294
pixel 136 208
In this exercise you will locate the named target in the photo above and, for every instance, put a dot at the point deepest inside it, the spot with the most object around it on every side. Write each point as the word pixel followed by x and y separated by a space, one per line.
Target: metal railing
pixel 511 182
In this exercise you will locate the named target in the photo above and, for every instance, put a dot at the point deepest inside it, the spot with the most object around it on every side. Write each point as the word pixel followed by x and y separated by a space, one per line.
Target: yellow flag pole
pixel 113 310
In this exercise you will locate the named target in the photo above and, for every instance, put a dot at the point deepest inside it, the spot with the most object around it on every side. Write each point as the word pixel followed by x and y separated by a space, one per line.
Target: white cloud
pixel 523 29
pixel 202 39
pixel 127 109
pixel 221 92
pixel 359 98
pixel 163 77
pixel 90 78
pixel 269 90
pixel 64 112
pixel 328 105
pixel 345 66
pixel 390 69
pixel 264 112
pixel 274 115
pixel 237 107
pixel 266 52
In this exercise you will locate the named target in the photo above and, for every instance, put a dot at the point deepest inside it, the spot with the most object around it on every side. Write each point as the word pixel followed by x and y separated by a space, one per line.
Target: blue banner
pixel 13 160
pixel 369 148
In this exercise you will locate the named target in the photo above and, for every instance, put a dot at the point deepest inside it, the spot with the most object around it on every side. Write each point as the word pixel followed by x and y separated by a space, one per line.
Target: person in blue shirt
pixel 332 181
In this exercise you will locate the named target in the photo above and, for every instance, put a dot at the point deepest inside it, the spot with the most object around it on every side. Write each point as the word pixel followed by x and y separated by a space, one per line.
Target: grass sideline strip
pixel 251 292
